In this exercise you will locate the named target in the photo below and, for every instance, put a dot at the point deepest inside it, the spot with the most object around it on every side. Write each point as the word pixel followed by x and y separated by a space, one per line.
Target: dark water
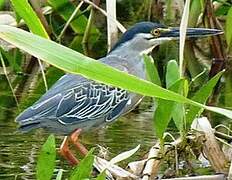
pixel 18 152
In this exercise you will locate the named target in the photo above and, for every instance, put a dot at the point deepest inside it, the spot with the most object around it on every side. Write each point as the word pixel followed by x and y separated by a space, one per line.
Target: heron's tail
pixel 28 126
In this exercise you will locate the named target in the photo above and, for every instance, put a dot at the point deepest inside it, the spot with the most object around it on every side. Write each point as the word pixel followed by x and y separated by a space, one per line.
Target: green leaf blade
pixel 172 74
pixel 163 112
pixel 229 28
pixel 201 96
pixel 46 161
pixel 152 72
pixel 101 176
pixel 84 169
pixel 23 8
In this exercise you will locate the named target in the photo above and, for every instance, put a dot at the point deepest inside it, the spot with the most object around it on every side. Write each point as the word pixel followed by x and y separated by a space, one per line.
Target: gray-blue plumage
pixel 76 102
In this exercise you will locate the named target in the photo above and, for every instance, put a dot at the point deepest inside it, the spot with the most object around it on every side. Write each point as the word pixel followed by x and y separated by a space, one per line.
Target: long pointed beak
pixel 191 32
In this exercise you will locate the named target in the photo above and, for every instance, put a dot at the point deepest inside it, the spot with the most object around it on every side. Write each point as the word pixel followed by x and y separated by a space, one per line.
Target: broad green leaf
pixel 172 76
pixel 229 28
pixel 84 169
pixel 151 70
pixel 201 96
pixel 163 112
pixel 101 176
pixel 178 114
pixel 23 8
pixel 172 73
pixel 74 62
pixel 46 161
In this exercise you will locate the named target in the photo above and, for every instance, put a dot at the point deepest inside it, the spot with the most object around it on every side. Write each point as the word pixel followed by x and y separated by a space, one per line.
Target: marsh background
pixel 18 152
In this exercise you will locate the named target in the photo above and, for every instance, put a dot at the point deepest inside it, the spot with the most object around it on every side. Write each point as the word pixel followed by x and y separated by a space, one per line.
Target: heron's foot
pixel 67 153
pixel 65 150
pixel 74 139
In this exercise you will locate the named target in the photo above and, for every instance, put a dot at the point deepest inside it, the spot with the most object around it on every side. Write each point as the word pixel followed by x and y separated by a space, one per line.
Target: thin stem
pixel 149 10
pixel 87 32
pixel 8 80
pixel 43 74
pixel 223 126
pixel 120 26
pixel 112 29
pixel 70 20
pixel 183 30
pixel 39 12
pixel 197 76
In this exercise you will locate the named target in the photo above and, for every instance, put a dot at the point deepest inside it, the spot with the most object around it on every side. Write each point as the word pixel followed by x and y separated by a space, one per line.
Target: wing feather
pixel 98 101
pixel 74 98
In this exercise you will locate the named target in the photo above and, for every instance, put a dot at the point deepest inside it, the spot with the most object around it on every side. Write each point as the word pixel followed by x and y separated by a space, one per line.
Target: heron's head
pixel 144 36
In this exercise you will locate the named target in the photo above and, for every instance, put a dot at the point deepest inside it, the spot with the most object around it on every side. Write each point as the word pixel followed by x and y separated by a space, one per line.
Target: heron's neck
pixel 126 53
pixel 132 59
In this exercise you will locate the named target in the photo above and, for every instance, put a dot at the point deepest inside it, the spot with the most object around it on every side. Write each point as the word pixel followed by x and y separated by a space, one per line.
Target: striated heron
pixel 75 103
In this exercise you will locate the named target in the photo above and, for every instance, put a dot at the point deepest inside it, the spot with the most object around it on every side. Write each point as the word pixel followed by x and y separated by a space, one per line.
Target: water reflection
pixel 18 152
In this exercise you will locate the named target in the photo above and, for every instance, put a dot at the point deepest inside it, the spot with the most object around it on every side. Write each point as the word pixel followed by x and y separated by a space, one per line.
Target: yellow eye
pixel 156 32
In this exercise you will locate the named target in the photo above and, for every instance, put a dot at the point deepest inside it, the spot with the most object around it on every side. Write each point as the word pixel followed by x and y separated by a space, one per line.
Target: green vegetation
pixel 71 45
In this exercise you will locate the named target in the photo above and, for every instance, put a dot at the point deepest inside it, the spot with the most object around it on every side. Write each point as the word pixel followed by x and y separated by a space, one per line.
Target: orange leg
pixel 74 139
pixel 66 152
